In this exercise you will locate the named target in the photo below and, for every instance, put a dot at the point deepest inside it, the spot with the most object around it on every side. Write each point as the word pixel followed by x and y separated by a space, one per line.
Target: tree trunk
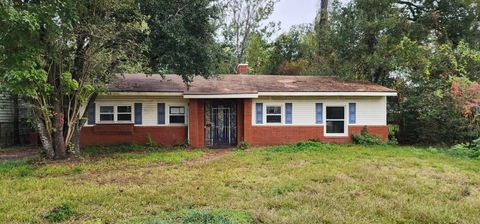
pixel 76 136
pixel 58 138
pixel 323 13
pixel 46 140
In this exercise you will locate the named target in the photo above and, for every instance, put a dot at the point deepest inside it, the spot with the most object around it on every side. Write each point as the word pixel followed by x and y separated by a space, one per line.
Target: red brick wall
pixel 114 134
pixel 247 121
pixel 196 122
pixel 239 121
pixel 275 135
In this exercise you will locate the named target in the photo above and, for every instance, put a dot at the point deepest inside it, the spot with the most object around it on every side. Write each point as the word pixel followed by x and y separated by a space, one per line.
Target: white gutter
pixel 248 95
pixel 143 94
pixel 220 96
pixel 327 93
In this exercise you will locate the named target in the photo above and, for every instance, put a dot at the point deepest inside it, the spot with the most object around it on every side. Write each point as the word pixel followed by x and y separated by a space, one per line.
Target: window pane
pixel 124 109
pixel 177 110
pixel 274 110
pixel 106 117
pixel 335 113
pixel 335 127
pixel 274 119
pixel 124 117
pixel 177 119
pixel 106 109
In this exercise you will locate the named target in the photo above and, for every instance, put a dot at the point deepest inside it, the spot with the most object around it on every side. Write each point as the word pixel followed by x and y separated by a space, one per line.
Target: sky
pixel 294 12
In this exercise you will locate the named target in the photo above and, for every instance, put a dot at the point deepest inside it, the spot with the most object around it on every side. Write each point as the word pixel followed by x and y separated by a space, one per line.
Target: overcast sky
pixel 294 12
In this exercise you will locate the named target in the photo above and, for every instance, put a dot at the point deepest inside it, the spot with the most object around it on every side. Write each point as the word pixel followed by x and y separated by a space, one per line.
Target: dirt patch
pixel 19 153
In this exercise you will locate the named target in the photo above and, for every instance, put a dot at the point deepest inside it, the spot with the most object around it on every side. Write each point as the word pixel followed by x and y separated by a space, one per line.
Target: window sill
pixel 335 135
pixel 114 122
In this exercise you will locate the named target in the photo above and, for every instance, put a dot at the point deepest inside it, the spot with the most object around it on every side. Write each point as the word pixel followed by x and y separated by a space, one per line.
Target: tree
pixel 292 53
pixel 441 103
pixel 422 48
pixel 257 54
pixel 59 54
pixel 180 39
pixel 357 41
pixel 240 20
pixel 451 21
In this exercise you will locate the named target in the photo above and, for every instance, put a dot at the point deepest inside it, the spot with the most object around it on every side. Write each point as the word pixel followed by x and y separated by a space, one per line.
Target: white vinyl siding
pixel 370 110
pixel 149 108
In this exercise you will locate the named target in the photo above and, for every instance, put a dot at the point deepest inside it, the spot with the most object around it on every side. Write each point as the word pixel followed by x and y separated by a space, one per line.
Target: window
pixel 177 115
pixel 274 114
pixel 124 113
pixel 335 120
pixel 109 114
pixel 106 113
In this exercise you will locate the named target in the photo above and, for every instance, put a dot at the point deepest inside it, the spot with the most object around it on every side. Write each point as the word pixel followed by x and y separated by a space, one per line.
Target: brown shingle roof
pixel 239 84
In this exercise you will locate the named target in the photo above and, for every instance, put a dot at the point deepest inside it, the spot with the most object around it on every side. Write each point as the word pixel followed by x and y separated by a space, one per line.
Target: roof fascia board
pixel 143 94
pixel 327 94
pixel 219 96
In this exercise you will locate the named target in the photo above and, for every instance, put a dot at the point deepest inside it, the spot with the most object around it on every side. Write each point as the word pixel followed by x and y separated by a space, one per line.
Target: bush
pixel 60 213
pixel 469 150
pixel 365 138
pixel 243 145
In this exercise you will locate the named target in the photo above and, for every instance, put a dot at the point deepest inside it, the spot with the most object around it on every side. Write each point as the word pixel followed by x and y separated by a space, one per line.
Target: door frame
pixel 231 105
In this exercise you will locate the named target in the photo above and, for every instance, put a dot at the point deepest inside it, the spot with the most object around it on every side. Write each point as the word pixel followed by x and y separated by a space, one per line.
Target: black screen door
pixel 221 132
pixel 220 123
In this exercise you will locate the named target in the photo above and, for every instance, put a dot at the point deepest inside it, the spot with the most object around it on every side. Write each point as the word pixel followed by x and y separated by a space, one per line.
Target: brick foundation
pixel 114 134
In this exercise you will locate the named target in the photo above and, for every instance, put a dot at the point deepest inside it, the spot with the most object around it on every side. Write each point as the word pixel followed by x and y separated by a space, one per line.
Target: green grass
pixel 302 183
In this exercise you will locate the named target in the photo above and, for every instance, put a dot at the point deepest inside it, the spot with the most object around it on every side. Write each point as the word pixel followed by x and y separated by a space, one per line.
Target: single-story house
pixel 229 109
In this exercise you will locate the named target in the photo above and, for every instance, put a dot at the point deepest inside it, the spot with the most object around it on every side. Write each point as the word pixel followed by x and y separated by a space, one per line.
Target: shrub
pixel 470 150
pixel 60 213
pixel 365 138
pixel 243 145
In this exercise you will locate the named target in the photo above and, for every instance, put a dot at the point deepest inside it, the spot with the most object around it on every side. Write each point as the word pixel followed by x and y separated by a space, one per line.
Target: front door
pixel 221 132
pixel 220 123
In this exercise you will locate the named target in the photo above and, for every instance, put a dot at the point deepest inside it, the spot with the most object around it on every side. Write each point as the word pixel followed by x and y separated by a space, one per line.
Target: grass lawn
pixel 310 183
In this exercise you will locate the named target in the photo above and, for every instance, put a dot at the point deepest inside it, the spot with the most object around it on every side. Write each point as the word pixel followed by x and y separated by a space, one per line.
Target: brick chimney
pixel 242 69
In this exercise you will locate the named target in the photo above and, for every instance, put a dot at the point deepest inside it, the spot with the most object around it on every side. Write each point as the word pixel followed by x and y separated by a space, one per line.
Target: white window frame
pixel 265 114
pixel 115 113
pixel 345 119
pixel 100 113
pixel 184 115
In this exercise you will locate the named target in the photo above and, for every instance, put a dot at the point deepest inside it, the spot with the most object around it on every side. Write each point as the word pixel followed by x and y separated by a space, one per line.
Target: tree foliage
pixel 240 21
pixel 425 49
pixel 60 53
pixel 180 39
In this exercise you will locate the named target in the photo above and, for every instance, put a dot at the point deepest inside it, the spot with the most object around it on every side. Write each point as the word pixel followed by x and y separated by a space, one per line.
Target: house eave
pixel 332 93
pixel 246 95
pixel 221 96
